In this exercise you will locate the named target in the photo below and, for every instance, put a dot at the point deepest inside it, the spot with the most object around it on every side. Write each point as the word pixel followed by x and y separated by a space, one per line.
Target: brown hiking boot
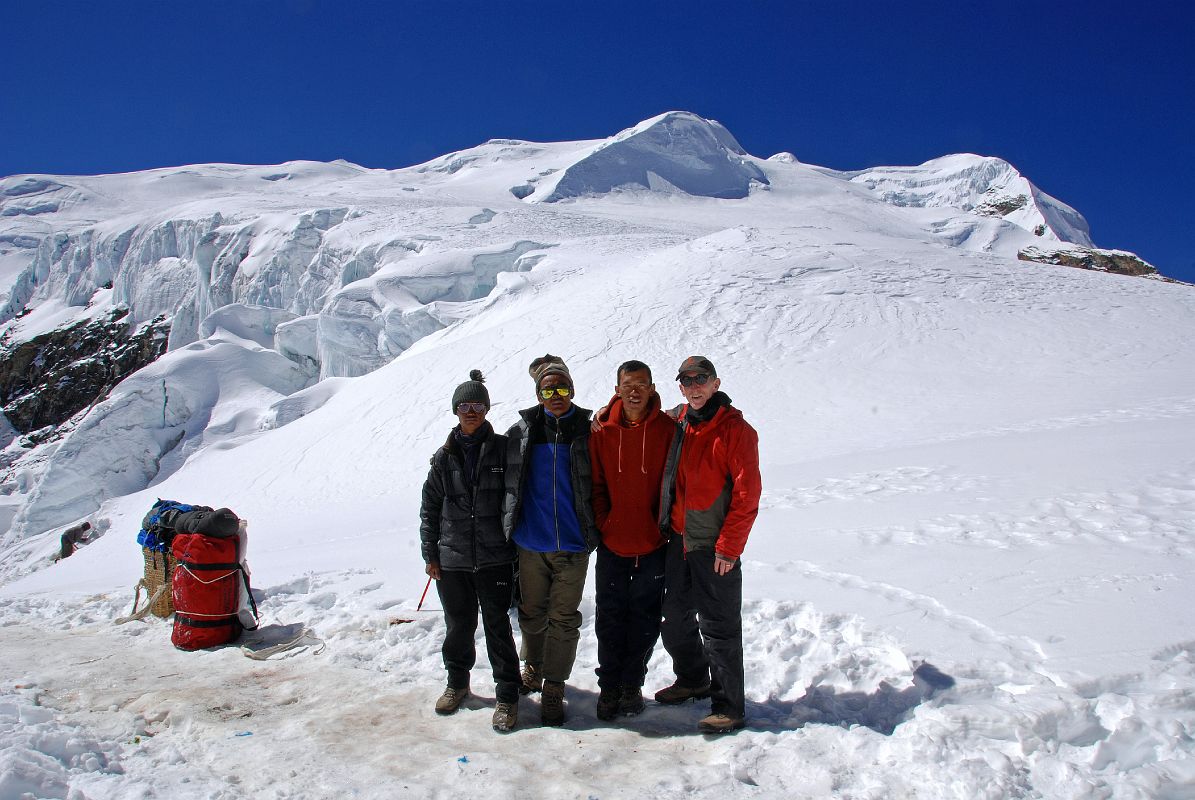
pixel 607 704
pixel 551 704
pixel 532 680
pixel 720 723
pixel 679 693
pixel 630 703
pixel 451 700
pixel 506 716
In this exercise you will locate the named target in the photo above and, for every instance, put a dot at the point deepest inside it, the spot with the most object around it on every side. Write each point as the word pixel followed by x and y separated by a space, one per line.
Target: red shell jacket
pixel 717 484
pixel 628 470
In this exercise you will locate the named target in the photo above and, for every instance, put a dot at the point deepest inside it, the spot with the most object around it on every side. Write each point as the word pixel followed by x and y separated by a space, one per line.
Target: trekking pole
pixel 424 597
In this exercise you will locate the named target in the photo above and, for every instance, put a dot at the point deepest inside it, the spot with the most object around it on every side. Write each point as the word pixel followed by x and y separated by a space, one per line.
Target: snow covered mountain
pixel 969 457
pixel 339 269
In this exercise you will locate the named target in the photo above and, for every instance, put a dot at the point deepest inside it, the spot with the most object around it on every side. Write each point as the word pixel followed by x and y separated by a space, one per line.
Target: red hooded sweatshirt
pixel 628 469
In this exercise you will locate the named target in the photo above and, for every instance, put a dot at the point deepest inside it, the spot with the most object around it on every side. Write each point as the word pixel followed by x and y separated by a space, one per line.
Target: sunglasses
pixel 689 380
pixel 559 391
pixel 470 408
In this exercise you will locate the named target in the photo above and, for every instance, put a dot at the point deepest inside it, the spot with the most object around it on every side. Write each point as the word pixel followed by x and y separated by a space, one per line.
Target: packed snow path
pixel 116 712
pixel 835 710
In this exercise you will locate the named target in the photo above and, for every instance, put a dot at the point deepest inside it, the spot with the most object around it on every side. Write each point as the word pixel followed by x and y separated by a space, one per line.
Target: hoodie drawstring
pixel 643 454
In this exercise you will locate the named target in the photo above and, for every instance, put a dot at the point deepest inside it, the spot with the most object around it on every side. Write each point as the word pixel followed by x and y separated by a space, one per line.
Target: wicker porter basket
pixel 159 567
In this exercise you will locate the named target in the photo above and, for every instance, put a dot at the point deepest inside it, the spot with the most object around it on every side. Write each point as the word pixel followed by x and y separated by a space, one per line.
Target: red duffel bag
pixel 210 588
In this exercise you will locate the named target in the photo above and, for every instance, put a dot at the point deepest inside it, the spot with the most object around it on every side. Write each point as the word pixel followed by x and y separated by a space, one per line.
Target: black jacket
pixel 461 520
pixel 533 428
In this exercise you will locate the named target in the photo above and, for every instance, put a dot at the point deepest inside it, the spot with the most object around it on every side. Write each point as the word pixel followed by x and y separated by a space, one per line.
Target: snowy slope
pixel 968 460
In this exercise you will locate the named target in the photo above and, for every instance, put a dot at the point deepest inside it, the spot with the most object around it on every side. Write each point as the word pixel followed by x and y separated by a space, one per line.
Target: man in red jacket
pixel 710 501
pixel 627 454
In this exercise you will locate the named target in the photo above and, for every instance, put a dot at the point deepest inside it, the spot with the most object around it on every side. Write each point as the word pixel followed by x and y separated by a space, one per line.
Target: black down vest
pixel 461 527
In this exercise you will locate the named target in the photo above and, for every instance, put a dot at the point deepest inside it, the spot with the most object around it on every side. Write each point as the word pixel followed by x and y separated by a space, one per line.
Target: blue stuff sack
pixel 157 527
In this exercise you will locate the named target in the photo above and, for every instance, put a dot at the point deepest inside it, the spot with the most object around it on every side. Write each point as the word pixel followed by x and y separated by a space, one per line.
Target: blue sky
pixel 1092 101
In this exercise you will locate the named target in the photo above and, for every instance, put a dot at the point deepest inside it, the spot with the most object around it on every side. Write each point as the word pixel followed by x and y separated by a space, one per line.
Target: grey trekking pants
pixel 550 585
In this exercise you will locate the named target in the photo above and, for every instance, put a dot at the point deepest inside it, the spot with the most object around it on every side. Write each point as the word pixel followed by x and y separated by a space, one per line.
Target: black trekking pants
pixel 630 592
pixel 461 594
pixel 703 625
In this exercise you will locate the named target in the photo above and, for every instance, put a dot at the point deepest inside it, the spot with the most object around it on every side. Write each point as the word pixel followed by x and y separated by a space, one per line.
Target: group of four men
pixel 667 498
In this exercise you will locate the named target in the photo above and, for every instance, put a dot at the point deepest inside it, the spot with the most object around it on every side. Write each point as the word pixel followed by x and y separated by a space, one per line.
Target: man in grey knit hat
pixel 468 553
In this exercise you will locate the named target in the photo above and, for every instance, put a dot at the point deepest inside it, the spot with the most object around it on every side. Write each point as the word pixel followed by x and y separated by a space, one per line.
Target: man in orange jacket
pixel 710 501
pixel 627 453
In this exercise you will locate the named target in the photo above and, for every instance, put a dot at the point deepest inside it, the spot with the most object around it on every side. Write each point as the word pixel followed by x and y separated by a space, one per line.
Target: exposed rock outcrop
pixel 1119 262
pixel 46 380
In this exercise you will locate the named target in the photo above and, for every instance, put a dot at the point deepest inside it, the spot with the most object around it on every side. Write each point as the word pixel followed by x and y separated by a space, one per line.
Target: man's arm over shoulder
pixel 600 494
pixel 747 486
pixel 516 435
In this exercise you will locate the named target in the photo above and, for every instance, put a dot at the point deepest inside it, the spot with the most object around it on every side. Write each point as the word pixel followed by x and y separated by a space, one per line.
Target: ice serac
pixel 676 152
pixel 368 323
pixel 254 323
pixel 984 186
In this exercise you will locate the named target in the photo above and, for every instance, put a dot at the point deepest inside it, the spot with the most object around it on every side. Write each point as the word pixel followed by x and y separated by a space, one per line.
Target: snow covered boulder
pixel 675 153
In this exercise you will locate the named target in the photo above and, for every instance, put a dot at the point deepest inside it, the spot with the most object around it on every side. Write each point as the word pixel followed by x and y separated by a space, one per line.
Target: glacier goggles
pixel 470 408
pixel 560 391
pixel 700 379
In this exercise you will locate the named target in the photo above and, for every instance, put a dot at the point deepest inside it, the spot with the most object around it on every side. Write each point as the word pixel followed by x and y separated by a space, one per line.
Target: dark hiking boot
pixel 679 693
pixel 551 708
pixel 720 723
pixel 532 680
pixel 506 716
pixel 608 704
pixel 451 700
pixel 630 703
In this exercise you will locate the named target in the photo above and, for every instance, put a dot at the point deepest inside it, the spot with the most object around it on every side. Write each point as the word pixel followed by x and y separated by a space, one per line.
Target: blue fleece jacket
pixel 548 521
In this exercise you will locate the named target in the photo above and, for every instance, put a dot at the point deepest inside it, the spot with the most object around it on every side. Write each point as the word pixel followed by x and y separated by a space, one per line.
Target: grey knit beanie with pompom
pixel 471 391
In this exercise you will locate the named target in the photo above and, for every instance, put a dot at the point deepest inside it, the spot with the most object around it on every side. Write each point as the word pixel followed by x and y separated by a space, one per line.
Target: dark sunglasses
pixel 559 391
pixel 470 408
pixel 689 380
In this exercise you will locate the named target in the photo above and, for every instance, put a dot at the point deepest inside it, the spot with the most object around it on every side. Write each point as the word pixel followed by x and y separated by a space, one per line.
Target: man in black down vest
pixel 469 555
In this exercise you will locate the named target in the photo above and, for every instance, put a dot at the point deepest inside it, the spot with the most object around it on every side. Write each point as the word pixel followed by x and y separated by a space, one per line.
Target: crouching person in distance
pixel 712 489
pixel 548 514
pixel 628 452
pixel 468 553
